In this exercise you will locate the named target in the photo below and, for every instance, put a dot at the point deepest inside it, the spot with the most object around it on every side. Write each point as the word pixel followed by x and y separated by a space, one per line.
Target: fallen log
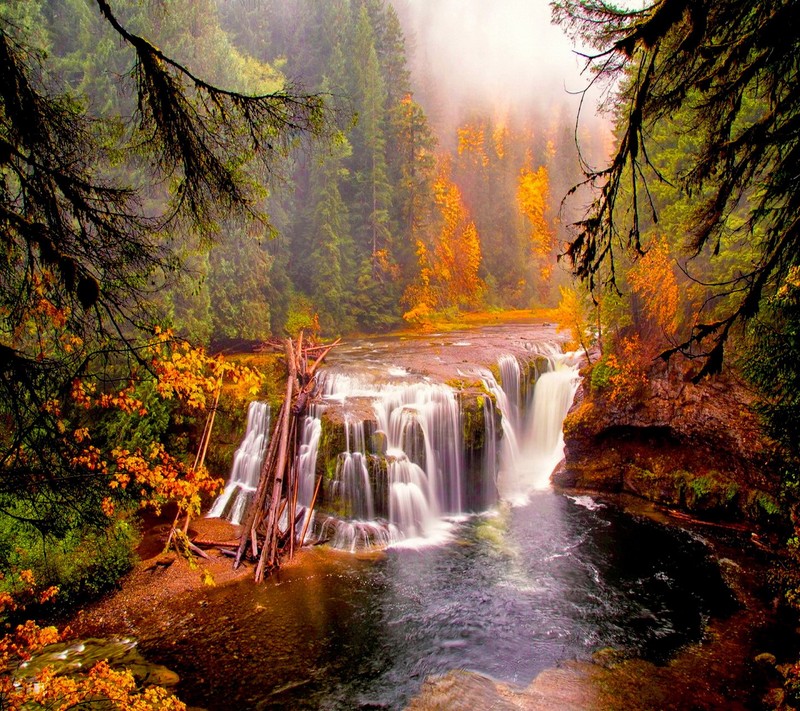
pixel 278 486
pixel 268 549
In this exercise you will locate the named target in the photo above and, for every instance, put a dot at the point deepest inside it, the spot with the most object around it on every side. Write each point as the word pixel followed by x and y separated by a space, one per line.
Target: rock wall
pixel 697 447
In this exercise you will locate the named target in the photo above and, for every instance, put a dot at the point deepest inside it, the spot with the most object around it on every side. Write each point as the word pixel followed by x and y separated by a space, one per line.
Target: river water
pixel 514 592
pixel 507 592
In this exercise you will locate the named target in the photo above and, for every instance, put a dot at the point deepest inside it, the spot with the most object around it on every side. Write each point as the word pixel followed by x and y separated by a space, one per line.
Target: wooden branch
pixel 310 512
pixel 279 471
pixel 321 357
pixel 258 500
pixel 280 465
pixel 201 452
pixel 198 551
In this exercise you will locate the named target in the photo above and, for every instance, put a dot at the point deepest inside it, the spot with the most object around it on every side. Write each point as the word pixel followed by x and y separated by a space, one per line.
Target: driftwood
pixel 262 538
pixel 310 511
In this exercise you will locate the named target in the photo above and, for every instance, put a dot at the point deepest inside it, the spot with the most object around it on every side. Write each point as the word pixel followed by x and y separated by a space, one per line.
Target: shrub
pixel 83 563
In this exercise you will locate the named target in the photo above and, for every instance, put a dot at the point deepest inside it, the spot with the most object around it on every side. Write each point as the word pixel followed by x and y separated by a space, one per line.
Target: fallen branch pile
pixel 263 538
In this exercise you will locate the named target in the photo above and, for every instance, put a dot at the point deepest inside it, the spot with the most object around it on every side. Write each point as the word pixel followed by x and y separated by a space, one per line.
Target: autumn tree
pixel 730 67
pixel 415 161
pixel 86 247
pixel 533 195
pixel 491 156
pixel 449 266
pixel 574 315
pixel 655 291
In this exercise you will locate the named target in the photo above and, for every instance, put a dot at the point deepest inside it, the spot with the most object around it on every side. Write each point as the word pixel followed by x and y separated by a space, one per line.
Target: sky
pixel 505 53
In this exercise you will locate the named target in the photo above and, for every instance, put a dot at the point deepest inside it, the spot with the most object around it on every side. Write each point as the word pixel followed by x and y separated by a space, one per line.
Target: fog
pixel 506 54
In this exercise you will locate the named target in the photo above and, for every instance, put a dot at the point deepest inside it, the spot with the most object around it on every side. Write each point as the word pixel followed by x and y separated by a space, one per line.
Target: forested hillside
pixel 382 218
pixel 383 221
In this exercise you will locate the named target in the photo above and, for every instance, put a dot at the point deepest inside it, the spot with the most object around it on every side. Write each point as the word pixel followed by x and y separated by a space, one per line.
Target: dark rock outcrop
pixel 692 446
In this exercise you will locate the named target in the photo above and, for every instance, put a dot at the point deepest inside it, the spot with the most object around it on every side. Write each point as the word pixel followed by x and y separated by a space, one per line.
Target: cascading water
pixel 533 442
pixel 415 473
pixel 246 467
pixel 402 469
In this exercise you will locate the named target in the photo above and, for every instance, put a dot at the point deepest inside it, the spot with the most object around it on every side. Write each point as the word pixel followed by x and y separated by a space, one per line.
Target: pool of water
pixel 513 592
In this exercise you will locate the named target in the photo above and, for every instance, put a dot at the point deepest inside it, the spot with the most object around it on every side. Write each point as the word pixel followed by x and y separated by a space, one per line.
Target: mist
pixel 506 56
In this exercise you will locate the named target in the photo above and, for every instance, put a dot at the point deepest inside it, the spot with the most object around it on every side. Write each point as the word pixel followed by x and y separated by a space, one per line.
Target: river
pixel 507 592
pixel 508 587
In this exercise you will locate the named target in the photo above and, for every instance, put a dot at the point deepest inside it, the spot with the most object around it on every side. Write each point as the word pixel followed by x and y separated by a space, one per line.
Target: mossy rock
pixel 711 494
pixel 762 507
pixel 333 441
pixel 577 419
pixel 660 487
pixel 537 365
pixel 378 443
pixel 473 420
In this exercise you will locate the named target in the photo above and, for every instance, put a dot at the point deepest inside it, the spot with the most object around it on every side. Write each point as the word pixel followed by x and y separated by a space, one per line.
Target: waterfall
pixel 412 476
pixel 246 467
pixel 402 472
pixel 533 442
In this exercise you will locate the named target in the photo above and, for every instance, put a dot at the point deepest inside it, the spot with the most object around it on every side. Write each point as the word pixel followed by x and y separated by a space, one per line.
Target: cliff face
pixel 692 446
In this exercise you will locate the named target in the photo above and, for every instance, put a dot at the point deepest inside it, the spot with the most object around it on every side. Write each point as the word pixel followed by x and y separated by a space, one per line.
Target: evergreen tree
pixel 332 244
pixel 715 62
pixel 84 247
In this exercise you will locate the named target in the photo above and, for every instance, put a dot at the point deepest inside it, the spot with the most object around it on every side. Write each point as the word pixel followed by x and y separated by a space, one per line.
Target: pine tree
pixel 731 68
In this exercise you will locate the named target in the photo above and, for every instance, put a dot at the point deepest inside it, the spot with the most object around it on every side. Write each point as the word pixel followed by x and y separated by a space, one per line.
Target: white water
pixel 402 491
pixel 533 442
pixel 402 474
pixel 246 467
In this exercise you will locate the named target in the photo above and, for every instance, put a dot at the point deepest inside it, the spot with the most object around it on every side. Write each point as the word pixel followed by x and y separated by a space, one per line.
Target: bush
pixel 602 372
pixel 84 562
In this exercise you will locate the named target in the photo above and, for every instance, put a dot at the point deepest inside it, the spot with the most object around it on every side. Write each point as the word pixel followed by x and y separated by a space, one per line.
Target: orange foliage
pixel 43 325
pixel 457 255
pixel 102 686
pixel 500 136
pixel 182 373
pixel 628 372
pixel 190 375
pixel 533 193
pixel 116 689
pixel 653 280
pixel 572 315
pixel 449 268
pixel 160 478
pixel 471 140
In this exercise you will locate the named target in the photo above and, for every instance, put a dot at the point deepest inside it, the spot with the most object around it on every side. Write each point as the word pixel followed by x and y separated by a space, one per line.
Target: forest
pixel 185 182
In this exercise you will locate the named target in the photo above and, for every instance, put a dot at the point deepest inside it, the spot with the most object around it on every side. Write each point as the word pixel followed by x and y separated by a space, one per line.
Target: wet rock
pixel 608 657
pixel 78 656
pixel 460 691
pixel 692 446
pixel 765 659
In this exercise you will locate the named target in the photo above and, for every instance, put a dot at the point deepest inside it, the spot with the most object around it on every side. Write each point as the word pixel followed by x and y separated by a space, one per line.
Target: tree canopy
pixel 729 69
pixel 90 204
